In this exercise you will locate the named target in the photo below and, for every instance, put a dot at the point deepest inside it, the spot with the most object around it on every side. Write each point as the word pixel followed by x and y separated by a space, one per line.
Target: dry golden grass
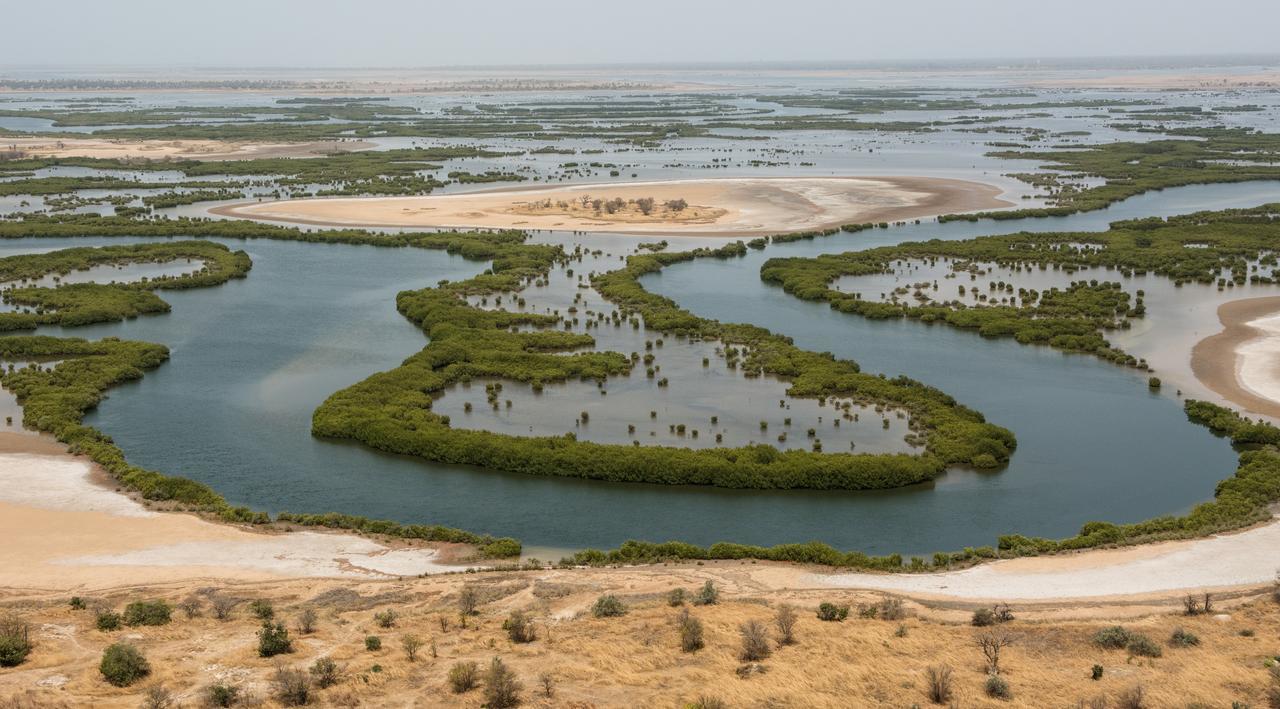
pixel 634 660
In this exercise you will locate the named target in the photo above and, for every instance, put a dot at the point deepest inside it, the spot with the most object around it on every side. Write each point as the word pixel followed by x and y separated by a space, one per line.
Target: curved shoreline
pixel 1216 360
pixel 753 206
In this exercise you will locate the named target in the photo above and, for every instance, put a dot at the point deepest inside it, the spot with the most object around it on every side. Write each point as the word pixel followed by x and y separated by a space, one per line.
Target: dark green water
pixel 252 359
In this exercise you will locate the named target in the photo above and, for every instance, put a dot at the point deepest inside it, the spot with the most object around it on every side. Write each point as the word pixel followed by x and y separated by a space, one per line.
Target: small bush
pixel 221 695
pixel 291 686
pixel 77 603
pixel 1112 638
pixel 755 641
pixel 997 687
pixel 501 688
pixel 832 612
pixel 157 697
pixel 468 601
pixel 519 628
pixel 463 677
pixel 785 620
pixel 15 641
pixel 411 644
pixel 273 640
pixel 676 597
pixel 122 665
pixel 324 671
pixel 262 609
pixel 372 643
pixel 891 609
pixel 608 606
pixel 984 617
pixel 1143 646
pixel 709 595
pixel 1096 673
pixel 1183 638
pixel 1132 698
pixel 147 613
pixel 385 619
pixel 108 620
pixel 938 684
pixel 307 621
pixel 190 607
pixel 706 702
pixel 690 631
pixel 222 605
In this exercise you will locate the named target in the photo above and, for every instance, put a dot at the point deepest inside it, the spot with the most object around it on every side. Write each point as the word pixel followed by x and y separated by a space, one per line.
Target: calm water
pixel 252 359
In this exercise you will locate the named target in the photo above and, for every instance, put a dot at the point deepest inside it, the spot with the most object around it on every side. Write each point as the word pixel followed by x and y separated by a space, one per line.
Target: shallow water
pixel 252 359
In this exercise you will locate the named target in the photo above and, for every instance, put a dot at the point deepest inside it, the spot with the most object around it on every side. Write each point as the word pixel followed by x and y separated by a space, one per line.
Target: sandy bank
pixel 175 149
pixel 65 530
pixel 732 206
pixel 1242 363
pixel 1243 559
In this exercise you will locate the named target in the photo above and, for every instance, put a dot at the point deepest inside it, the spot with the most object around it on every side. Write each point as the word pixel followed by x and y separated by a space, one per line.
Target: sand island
pixel 716 207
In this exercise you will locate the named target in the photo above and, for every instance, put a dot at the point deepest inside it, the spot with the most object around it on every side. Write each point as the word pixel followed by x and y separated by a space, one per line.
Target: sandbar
pixel 718 207
pixel 1242 363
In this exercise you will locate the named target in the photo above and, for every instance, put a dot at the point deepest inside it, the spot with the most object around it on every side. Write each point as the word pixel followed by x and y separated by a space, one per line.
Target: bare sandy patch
pixel 1242 363
pixel 717 207
pixel 212 150
pixel 64 530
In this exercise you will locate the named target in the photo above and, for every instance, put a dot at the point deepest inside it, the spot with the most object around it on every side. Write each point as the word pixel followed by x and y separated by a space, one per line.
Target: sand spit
pixel 1242 363
pixel 210 150
pixel 64 529
pixel 726 207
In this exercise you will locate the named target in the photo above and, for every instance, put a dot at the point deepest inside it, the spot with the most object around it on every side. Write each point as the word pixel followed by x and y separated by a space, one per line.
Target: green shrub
pixel 273 640
pixel 709 595
pixel 15 641
pixel 997 687
pixel 372 643
pixel 463 677
pixel 501 688
pixel 690 631
pixel 1096 673
pixel 832 612
pixel 221 695
pixel 77 603
pixel 324 671
pixel 608 606
pixel 1143 646
pixel 385 619
pixel 1112 638
pixel 262 609
pixel 122 665
pixel 519 628
pixel 108 620
pixel 1183 638
pixel 147 613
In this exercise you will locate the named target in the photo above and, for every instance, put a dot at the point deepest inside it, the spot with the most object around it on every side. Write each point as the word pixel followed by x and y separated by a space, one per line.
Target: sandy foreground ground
pixel 745 206
pixel 1242 363
pixel 174 149
pixel 65 529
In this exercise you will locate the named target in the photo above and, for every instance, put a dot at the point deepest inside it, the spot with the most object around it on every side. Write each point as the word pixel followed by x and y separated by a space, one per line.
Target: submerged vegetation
pixel 1131 168
pixel 87 303
pixel 1229 248
pixel 392 412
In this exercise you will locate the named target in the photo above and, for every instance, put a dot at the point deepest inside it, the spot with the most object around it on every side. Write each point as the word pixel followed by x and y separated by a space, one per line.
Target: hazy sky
pixel 368 33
